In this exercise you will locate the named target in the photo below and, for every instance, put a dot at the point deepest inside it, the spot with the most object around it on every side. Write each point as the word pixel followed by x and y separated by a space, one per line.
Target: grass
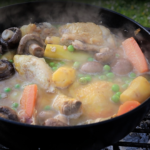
pixel 135 9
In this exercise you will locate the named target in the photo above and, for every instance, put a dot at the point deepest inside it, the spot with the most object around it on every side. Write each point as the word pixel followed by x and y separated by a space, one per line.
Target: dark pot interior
pixel 87 137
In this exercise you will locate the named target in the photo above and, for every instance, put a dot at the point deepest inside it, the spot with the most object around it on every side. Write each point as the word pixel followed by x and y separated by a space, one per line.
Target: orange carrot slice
pixel 127 106
pixel 28 99
pixel 135 55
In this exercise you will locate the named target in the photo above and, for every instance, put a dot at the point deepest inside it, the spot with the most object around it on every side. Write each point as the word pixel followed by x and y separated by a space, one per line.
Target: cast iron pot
pixel 20 136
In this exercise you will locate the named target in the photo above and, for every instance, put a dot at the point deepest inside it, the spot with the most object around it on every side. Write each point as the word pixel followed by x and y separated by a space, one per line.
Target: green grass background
pixel 138 10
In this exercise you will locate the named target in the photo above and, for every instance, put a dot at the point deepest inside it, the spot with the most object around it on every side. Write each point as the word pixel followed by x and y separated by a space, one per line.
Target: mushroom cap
pixel 8 113
pixel 13 41
pixel 26 41
pixel 6 69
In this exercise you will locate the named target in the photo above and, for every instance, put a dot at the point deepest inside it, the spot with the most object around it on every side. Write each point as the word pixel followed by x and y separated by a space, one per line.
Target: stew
pixel 69 74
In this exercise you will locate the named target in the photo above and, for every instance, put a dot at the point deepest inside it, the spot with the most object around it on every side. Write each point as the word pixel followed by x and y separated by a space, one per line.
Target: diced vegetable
pixel 60 52
pixel 132 75
pixel 110 75
pixel 90 59
pixel 47 107
pixel 28 99
pixel 135 55
pixel 76 65
pixel 115 98
pixel 115 88
pixel 7 89
pixel 106 68
pixel 118 93
pixel 17 86
pixel 127 106
pixel 88 78
pixel 137 90
pixel 70 48
pixel 63 77
pixel 15 105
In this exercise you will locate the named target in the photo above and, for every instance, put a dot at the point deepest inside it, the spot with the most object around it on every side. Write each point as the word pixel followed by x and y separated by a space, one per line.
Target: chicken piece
pixel 85 47
pixel 68 106
pixel 95 98
pixel 87 36
pixel 86 32
pixel 36 70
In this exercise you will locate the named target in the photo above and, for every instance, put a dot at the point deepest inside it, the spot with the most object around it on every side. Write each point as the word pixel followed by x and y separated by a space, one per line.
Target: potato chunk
pixel 63 77
pixel 138 90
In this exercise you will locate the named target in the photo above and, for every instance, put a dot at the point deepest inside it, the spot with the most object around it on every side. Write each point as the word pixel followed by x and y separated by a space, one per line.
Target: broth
pixel 79 78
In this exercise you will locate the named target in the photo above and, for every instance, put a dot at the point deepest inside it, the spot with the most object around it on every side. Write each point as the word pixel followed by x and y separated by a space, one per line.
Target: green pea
pixel 76 64
pixel 115 88
pixel 110 75
pixel 80 75
pixel 83 80
pixel 52 64
pixel 7 89
pixel 11 61
pixel 90 59
pixel 15 105
pixel 118 93
pixel 70 48
pixel 117 55
pixel 106 68
pixel 88 77
pixel 47 107
pixel 115 98
pixel 54 68
pixel 17 86
pixel 132 75
pixel 102 77
pixel 124 86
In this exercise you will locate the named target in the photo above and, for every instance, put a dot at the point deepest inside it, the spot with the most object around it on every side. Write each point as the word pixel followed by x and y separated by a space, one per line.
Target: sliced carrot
pixel 28 99
pixel 135 55
pixel 127 106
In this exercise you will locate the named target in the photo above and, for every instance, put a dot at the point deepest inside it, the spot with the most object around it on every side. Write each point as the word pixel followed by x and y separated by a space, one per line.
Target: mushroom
pixel 8 113
pixel 104 55
pixel 31 44
pixel 121 66
pixel 6 69
pixel 10 38
pixel 54 122
pixel 91 67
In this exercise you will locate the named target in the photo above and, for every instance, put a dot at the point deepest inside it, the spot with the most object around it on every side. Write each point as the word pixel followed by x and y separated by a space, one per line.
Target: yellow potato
pixel 138 90
pixel 63 77
pixel 60 52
